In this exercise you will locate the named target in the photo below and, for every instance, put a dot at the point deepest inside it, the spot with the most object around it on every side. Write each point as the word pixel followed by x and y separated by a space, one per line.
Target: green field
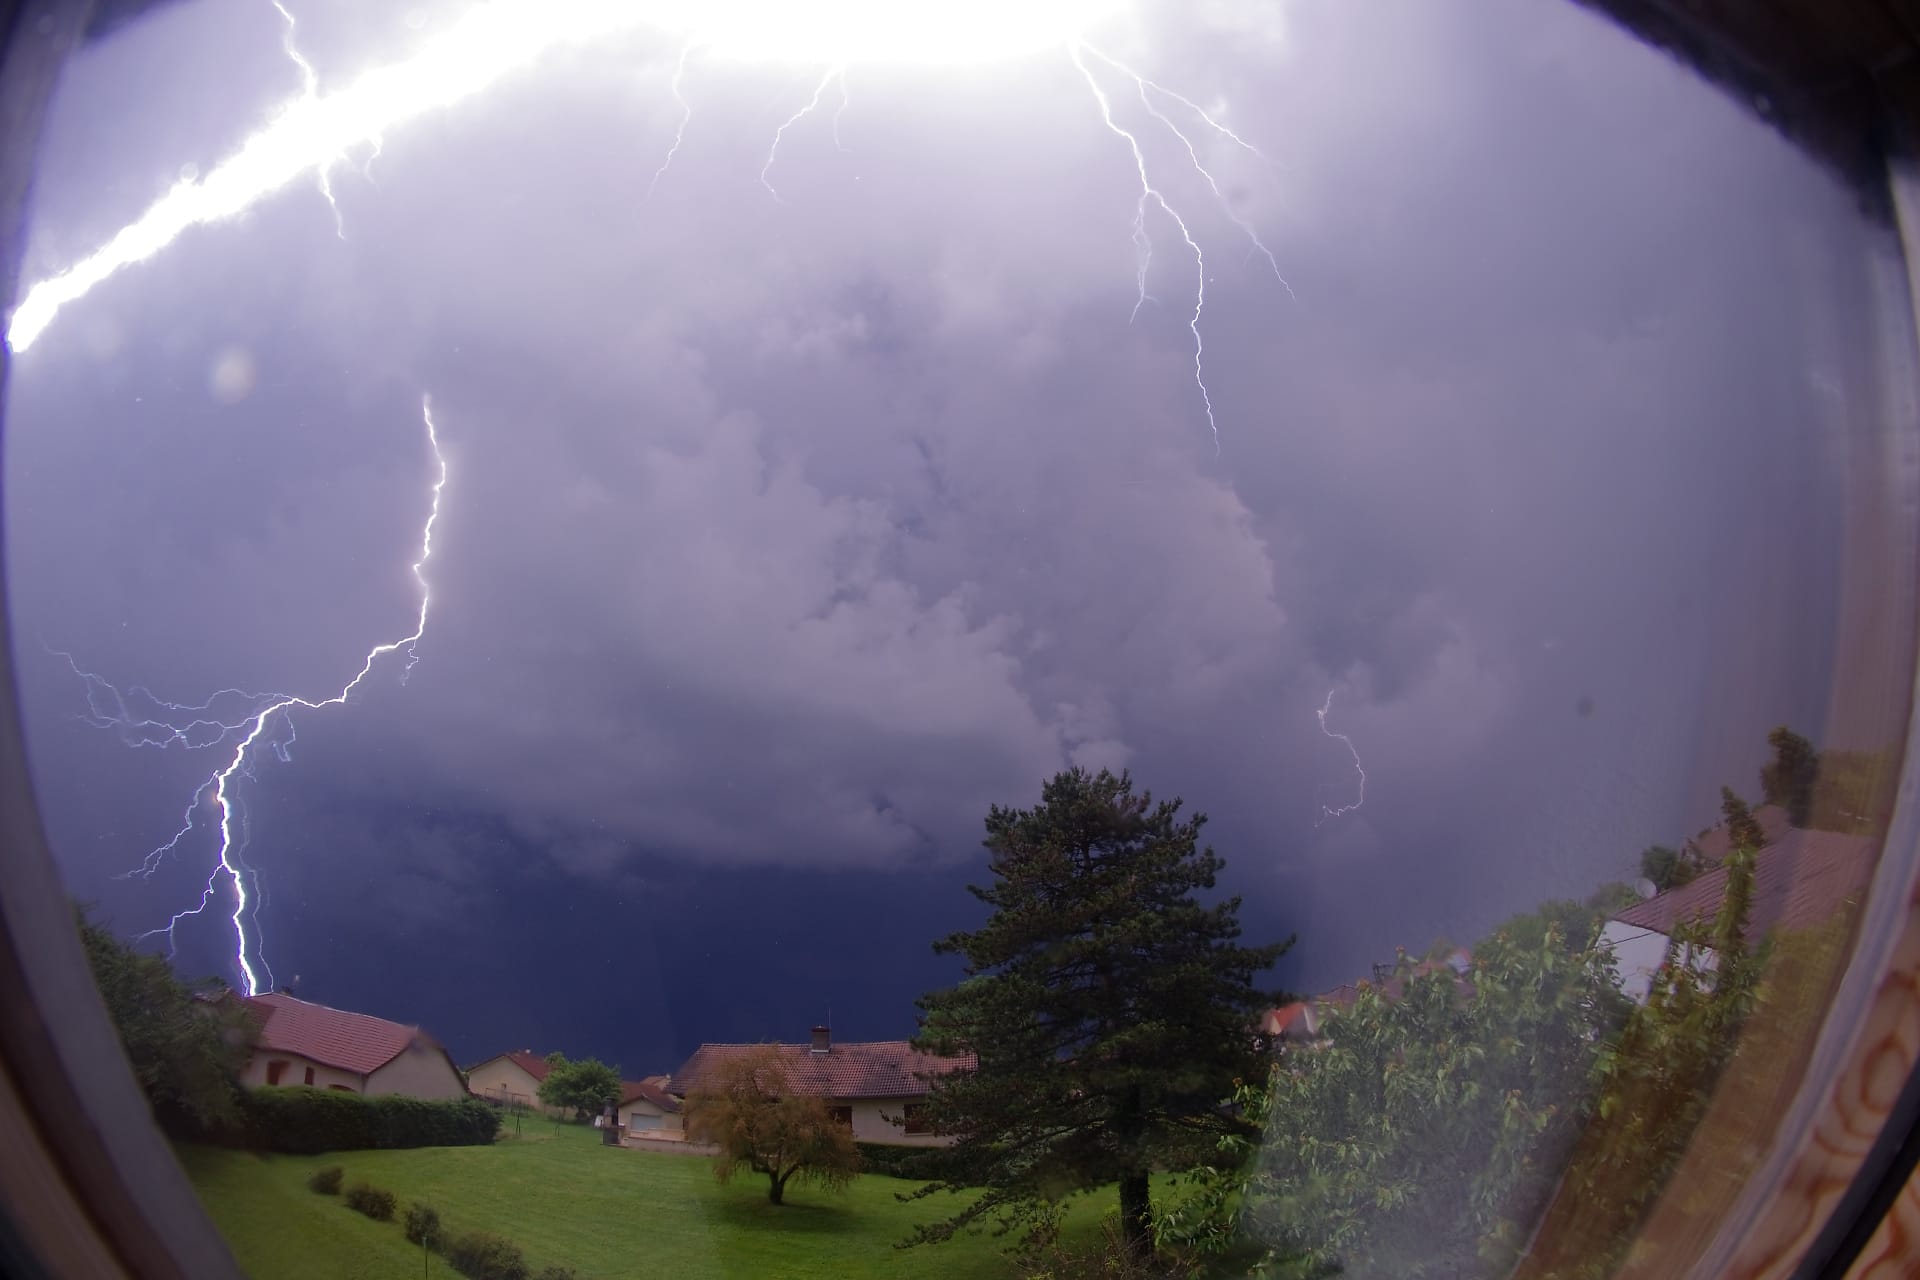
pixel 563 1198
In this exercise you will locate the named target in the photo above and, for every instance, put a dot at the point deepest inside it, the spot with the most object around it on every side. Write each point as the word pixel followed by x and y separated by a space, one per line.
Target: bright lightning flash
pixel 152 726
pixel 491 41
pixel 1328 813
pixel 310 90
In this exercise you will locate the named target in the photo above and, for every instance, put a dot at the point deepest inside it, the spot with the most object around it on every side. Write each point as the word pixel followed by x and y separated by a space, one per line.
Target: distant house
pixel 1800 878
pixel 1290 1024
pixel 877 1088
pixel 1302 1022
pixel 512 1079
pixel 647 1108
pixel 304 1043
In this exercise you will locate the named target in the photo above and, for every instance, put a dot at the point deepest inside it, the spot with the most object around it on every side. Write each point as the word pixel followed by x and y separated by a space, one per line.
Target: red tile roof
pixel 653 1089
pixel 1714 846
pixel 1279 1022
pixel 1801 879
pixel 356 1042
pixel 525 1059
pixel 873 1069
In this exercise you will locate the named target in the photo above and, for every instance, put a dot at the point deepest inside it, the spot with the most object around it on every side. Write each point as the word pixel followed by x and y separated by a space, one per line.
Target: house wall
pixel 1637 953
pixel 420 1071
pixel 870 1122
pixel 324 1077
pixel 641 1116
pixel 505 1080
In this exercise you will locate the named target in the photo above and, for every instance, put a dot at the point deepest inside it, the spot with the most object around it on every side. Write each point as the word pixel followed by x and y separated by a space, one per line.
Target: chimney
pixel 822 1041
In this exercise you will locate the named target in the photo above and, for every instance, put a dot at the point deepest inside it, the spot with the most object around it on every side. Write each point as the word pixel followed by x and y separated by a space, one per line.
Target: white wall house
pixel 301 1043
pixel 877 1088
pixel 1800 879
pixel 646 1108
pixel 513 1080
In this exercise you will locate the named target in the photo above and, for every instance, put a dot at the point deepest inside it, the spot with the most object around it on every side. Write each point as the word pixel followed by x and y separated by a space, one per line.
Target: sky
pixel 785 531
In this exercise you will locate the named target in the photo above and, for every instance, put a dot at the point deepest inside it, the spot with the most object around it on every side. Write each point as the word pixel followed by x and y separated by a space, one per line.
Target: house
pixel 512 1079
pixel 299 1042
pixel 1801 878
pixel 1291 1024
pixel 1302 1022
pixel 647 1108
pixel 877 1088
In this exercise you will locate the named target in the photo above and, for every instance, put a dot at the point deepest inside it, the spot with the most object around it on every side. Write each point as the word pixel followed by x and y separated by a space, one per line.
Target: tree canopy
pixel 1425 1135
pixel 749 1110
pixel 1667 867
pixel 584 1086
pixel 1788 779
pixel 186 1053
pixel 1110 1009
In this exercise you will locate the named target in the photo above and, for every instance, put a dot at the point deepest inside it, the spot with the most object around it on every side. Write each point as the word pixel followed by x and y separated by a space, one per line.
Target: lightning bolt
pixel 1328 814
pixel 813 104
pixel 310 92
pixel 841 110
pixel 159 725
pixel 1151 193
pixel 484 45
pixel 686 115
pixel 1226 206
pixel 107 707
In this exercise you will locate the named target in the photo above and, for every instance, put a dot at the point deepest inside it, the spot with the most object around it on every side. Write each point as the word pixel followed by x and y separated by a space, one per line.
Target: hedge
pixel 423 1224
pixel 481 1255
pixel 375 1202
pixel 892 1161
pixel 301 1120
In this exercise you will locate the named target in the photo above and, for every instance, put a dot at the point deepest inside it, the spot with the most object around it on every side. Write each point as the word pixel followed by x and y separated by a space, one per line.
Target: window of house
pixel 309 1079
pixel 913 1118
pixel 843 1115
pixel 276 1069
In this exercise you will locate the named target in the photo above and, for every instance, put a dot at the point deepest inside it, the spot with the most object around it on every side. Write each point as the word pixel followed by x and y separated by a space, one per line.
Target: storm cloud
pixel 785 535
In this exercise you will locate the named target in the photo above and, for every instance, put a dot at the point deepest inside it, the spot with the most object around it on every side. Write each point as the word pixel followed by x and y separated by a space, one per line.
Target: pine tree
pixel 1110 1010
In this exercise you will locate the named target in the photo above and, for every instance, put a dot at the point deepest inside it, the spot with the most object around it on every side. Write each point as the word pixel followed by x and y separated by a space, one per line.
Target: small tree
pixel 1666 867
pixel 186 1053
pixel 748 1109
pixel 583 1087
pixel 1789 779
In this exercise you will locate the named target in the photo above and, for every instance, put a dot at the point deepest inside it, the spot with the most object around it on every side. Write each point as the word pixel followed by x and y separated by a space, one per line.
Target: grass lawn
pixel 563 1198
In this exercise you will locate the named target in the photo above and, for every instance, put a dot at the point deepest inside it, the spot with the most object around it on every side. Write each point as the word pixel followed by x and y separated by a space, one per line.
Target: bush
pixel 891 1161
pixel 481 1255
pixel 326 1181
pixel 423 1224
pixel 302 1120
pixel 372 1201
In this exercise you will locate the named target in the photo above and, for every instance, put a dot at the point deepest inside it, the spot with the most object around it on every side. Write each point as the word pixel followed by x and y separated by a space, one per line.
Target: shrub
pixel 892 1161
pixel 481 1255
pixel 372 1201
pixel 302 1120
pixel 326 1181
pixel 423 1224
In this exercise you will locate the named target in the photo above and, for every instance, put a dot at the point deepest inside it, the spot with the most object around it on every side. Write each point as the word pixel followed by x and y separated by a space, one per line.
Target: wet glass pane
pixel 550 528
